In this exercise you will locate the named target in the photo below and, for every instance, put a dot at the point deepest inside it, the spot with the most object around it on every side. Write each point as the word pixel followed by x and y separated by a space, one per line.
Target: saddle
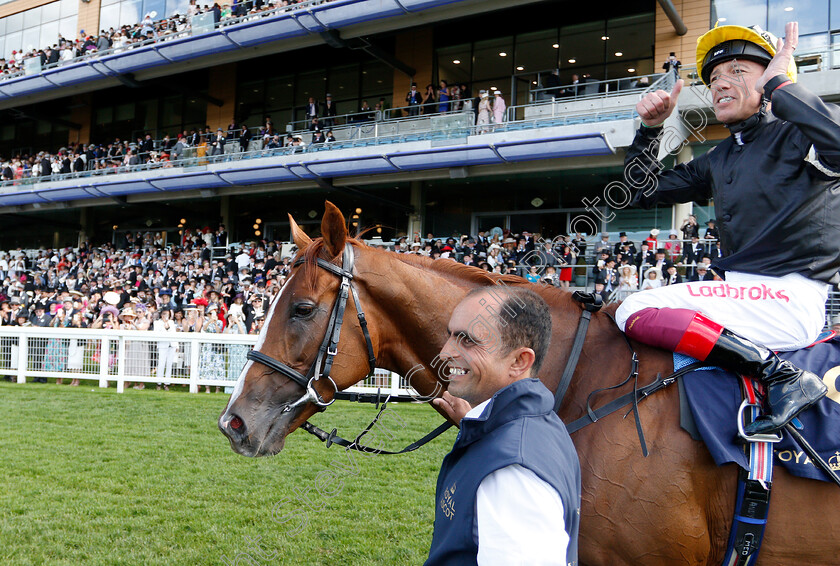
pixel 713 397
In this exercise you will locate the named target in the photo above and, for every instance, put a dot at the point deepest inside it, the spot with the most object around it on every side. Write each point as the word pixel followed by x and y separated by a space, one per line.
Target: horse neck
pixel 411 307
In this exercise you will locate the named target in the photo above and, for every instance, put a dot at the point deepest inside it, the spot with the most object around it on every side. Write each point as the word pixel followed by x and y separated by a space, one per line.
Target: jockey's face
pixel 733 90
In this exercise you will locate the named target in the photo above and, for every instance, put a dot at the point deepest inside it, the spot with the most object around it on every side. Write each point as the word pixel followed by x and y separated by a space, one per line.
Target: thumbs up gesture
pixel 655 107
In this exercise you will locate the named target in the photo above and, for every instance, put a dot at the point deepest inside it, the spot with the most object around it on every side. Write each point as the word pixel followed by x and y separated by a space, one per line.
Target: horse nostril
pixel 236 423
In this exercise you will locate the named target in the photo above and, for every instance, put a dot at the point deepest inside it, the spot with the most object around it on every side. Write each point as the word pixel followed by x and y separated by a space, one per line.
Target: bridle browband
pixel 321 367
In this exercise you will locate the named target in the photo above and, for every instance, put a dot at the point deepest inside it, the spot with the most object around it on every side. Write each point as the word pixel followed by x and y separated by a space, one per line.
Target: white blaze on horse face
pixel 240 383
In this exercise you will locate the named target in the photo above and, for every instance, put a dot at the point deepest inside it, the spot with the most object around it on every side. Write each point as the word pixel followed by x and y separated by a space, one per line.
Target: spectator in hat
pixel 499 107
pixel 645 257
pixel 41 317
pixel 673 249
pixel 628 281
pixel 211 356
pixel 604 243
pixel 689 227
pixel 702 273
pixel 166 348
pixel 711 230
pixel 672 64
pixel 652 240
pixel 652 279
pixel 624 245
pixel 217 142
pixel 671 277
pixel 329 112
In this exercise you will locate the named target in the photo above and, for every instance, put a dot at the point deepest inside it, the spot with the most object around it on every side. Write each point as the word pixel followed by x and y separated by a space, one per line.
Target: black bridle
pixel 321 367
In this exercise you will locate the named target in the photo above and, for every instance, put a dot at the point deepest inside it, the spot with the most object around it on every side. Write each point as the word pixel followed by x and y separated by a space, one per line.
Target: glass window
pixel 31 38
pixel 130 12
pixel 2 47
pixel 3 26
pixel 14 22
pixel 124 112
pixel 309 84
pixel 493 58
pixel 12 43
pixel 49 34
pixel 67 27
pixel 343 82
pixel 178 7
pixel 195 110
pixel 68 8
pixel 32 18
pixel 812 16
pixel 815 43
pixel 104 115
pixel 377 80
pixel 582 50
pixel 156 8
pixel 278 94
pixel 109 17
pixel 454 65
pixel 536 52
pixel 50 12
pixel 147 115
pixel 740 12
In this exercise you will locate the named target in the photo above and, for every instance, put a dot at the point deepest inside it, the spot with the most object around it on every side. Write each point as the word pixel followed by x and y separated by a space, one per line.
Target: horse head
pixel 299 362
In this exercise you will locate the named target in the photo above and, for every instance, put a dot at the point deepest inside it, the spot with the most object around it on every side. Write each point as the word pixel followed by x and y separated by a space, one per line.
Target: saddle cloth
pixel 714 396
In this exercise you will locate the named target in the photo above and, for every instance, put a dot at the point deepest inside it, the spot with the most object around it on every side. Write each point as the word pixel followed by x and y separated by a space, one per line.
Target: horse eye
pixel 303 309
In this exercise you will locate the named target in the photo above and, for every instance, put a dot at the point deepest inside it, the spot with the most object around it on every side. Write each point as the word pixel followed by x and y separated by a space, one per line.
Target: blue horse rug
pixel 714 396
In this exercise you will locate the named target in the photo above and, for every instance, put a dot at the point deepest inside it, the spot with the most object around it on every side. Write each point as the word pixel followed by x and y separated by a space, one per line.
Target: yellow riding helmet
pixel 725 43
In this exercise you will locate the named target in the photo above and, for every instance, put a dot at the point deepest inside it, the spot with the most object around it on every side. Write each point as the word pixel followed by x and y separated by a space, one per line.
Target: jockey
pixel 775 182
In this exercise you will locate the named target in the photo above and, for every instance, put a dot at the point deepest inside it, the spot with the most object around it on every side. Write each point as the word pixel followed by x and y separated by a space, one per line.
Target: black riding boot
pixel 790 390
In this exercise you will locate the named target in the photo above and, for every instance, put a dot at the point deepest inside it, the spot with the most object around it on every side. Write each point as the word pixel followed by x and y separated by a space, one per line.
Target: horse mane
pixel 448 269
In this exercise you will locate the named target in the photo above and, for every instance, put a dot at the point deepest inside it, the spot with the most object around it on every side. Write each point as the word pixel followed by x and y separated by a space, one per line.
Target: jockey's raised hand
pixel 784 53
pixel 655 107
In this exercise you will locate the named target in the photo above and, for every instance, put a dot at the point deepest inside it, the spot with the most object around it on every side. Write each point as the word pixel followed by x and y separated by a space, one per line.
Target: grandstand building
pixel 552 162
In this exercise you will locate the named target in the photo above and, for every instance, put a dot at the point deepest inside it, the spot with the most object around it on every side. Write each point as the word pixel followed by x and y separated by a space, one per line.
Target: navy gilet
pixel 518 426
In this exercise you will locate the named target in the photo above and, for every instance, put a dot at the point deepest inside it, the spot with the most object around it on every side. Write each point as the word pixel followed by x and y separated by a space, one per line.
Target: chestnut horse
pixel 674 507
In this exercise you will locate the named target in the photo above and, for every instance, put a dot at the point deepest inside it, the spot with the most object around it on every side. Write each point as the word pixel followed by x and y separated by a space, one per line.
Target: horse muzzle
pixel 255 439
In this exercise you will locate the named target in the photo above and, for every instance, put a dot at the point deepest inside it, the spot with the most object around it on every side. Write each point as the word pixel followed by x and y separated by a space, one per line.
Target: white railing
pixel 134 356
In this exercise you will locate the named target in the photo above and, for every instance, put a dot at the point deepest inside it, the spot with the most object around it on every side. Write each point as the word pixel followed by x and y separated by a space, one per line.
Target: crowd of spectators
pixel 120 155
pixel 199 284
pixel 144 285
pixel 149 30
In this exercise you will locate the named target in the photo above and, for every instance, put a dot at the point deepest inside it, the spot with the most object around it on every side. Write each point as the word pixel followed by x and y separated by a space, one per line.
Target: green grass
pixel 93 477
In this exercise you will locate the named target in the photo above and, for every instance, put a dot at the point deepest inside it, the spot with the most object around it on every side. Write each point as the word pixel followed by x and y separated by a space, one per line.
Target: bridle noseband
pixel 320 369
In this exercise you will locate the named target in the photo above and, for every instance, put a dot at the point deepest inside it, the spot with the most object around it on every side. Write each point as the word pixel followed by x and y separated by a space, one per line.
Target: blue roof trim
pixel 296 23
pixel 292 168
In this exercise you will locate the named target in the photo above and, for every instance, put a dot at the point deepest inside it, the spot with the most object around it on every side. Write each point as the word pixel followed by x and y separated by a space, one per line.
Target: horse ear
pixel 333 229
pixel 299 236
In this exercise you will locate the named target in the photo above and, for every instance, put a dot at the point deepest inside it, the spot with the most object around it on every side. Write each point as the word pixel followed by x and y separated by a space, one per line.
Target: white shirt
pixel 537 536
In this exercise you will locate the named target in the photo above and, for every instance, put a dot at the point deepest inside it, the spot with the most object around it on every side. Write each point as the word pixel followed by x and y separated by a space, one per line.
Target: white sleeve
pixel 520 520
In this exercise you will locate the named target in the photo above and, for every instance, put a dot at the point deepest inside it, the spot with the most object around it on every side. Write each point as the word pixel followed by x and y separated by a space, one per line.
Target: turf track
pixel 92 477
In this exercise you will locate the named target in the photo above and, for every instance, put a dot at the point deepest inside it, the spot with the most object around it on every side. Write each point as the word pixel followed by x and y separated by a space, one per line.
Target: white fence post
pixel 121 364
pixel 195 346
pixel 395 384
pixel 23 358
pixel 104 359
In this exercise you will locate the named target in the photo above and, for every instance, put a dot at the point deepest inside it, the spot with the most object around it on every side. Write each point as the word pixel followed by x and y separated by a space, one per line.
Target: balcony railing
pixel 447 127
